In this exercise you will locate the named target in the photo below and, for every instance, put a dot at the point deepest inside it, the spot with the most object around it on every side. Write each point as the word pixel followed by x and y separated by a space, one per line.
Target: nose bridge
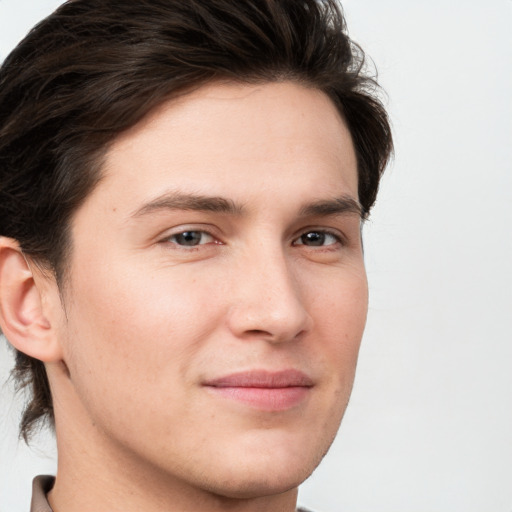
pixel 269 300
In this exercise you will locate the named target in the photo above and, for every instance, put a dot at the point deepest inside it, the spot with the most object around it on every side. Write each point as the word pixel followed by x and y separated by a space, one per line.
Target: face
pixel 217 293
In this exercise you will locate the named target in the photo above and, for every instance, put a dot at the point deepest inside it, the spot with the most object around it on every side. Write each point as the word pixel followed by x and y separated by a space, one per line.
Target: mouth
pixel 263 390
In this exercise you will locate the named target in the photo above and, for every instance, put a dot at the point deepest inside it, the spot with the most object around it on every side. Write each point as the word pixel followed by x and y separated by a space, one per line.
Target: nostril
pixel 273 337
pixel 258 332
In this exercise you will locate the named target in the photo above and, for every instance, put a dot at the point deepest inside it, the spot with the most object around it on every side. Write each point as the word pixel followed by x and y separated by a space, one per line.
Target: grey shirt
pixel 40 486
pixel 43 484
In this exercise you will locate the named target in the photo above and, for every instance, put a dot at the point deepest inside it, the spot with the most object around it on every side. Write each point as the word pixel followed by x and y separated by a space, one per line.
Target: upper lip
pixel 262 379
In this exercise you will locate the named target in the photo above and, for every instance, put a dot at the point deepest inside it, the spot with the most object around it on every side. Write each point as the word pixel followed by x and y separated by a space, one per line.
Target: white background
pixel 429 427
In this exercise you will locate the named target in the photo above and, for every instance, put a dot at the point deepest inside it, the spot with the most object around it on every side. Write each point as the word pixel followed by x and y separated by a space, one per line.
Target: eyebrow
pixel 337 206
pixel 216 204
pixel 180 201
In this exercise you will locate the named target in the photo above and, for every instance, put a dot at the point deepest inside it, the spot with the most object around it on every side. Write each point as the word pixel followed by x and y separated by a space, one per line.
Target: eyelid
pixel 208 230
pixel 202 234
pixel 338 235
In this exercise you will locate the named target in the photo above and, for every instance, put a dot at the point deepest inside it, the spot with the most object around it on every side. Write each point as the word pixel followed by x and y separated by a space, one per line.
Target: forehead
pixel 237 140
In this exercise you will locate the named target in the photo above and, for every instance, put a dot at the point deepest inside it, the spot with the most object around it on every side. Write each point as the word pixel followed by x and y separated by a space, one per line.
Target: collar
pixel 41 485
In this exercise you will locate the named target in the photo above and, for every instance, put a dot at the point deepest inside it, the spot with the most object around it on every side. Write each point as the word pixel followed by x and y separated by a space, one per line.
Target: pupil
pixel 189 238
pixel 313 238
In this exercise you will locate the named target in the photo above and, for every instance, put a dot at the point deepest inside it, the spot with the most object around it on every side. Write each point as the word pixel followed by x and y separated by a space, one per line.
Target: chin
pixel 273 471
pixel 256 486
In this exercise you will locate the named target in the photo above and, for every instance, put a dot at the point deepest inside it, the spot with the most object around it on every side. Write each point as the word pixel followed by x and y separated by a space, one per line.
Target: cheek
pixel 135 300
pixel 340 311
pixel 140 331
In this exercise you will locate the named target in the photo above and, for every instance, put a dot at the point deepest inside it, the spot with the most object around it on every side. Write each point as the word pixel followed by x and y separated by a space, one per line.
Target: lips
pixel 264 390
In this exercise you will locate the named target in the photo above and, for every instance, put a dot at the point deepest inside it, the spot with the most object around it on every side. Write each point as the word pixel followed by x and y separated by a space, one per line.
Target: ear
pixel 23 295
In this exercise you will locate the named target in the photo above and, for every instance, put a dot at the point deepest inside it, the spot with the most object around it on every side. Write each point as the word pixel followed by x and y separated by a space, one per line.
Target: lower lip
pixel 265 399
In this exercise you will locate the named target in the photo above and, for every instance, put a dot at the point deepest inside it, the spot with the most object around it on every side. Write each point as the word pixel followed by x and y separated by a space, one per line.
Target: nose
pixel 268 300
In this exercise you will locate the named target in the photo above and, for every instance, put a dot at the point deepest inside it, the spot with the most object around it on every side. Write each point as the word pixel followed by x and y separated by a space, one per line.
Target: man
pixel 181 266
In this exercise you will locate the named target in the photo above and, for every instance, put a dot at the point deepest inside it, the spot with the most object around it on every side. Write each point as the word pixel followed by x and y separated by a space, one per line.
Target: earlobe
pixel 22 316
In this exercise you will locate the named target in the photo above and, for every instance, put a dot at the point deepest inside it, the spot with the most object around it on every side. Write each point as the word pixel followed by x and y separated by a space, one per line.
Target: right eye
pixel 190 238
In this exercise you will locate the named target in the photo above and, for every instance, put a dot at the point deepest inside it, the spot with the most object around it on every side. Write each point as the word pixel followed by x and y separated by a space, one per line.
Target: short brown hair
pixel 94 68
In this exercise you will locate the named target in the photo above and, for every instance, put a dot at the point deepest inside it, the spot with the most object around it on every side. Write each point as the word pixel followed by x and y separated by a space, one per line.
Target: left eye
pixel 191 238
pixel 317 239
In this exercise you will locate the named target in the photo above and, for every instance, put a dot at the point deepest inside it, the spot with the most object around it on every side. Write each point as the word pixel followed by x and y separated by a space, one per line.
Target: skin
pixel 146 320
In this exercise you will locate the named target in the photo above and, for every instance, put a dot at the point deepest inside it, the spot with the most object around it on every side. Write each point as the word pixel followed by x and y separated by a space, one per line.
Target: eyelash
pixel 197 231
pixel 338 239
